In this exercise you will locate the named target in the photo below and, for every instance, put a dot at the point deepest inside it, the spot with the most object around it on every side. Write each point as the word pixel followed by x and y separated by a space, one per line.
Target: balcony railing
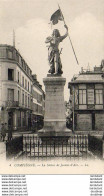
pixel 12 103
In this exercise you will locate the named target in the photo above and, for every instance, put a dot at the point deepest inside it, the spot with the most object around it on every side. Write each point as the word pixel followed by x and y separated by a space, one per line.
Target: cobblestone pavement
pixel 2 150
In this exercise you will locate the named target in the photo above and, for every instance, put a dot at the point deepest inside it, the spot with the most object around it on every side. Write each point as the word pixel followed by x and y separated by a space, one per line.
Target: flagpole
pixel 69 36
pixel 13 38
pixel 73 107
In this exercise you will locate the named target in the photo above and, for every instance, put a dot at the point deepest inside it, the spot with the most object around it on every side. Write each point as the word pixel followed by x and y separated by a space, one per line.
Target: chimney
pixel 34 77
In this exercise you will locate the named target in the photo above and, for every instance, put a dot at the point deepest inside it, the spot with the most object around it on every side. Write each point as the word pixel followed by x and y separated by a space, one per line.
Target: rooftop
pixel 14 56
pixel 90 76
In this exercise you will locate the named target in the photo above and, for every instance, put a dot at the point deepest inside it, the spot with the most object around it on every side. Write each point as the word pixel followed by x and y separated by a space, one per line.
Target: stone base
pixel 51 133
pixel 54 137
pixel 53 75
pixel 55 126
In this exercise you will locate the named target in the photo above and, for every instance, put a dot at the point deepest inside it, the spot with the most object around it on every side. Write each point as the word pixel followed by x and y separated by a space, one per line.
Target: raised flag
pixel 56 17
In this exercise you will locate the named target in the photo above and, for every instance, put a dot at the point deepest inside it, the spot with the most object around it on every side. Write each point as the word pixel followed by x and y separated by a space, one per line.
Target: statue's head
pixel 56 33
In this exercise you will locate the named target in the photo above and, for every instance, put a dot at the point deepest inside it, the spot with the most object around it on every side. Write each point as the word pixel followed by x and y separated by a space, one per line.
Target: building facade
pixel 38 104
pixel 87 100
pixel 16 88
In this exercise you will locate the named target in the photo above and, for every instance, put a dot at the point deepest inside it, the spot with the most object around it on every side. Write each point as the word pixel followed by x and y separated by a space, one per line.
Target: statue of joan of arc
pixel 53 51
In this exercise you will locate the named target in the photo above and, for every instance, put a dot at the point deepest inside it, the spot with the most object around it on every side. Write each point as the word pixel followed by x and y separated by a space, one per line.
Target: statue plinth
pixel 54 119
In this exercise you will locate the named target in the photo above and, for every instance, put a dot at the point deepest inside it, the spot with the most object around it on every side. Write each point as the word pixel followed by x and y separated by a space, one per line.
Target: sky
pixel 30 20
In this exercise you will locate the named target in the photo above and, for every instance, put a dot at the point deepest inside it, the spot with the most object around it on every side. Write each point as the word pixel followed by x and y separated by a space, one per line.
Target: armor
pixel 54 53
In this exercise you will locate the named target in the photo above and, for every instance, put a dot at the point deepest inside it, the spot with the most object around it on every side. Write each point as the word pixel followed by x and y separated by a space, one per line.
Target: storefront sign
pixel 90 96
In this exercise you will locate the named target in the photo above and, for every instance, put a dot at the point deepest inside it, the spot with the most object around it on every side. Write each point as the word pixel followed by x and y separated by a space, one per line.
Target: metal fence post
pixel 30 147
pixel 46 148
pixel 38 149
pixel 42 149
pixel 50 147
pixel 70 148
pixel 86 146
pixel 54 148
pixel 66 149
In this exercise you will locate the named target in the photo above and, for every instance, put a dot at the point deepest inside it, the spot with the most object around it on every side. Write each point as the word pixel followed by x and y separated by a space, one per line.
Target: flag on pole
pixel 56 16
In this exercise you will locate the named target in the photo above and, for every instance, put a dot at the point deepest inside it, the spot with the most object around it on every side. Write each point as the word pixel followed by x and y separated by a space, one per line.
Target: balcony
pixel 12 104
pixel 15 104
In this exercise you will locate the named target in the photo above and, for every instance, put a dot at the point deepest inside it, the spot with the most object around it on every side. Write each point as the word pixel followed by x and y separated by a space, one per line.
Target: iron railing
pixel 35 147
pixel 12 103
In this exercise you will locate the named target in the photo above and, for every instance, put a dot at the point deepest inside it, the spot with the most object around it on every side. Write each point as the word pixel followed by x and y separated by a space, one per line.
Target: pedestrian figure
pixel 9 133
pixel 0 131
pixel 6 130
pixel 3 132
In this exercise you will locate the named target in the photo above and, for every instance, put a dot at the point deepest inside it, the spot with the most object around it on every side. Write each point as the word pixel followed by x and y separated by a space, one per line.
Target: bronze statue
pixel 53 51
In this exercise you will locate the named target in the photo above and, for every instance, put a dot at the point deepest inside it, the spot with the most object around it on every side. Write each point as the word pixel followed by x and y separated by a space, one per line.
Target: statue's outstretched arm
pixel 66 34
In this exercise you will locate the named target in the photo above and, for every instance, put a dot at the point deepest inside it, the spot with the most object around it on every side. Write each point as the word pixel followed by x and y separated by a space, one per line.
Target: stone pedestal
pixel 54 119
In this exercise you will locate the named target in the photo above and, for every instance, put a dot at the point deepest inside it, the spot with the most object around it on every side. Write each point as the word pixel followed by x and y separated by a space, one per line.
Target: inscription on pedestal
pixel 54 101
pixel 54 119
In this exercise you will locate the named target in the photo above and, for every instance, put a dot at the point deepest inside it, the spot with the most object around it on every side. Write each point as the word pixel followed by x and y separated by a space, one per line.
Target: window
pixel 18 96
pixel 39 109
pixel 99 96
pixel 20 60
pixel 28 86
pixel 23 119
pixel 10 94
pixel 76 96
pixel 18 76
pixel 26 100
pixel 25 67
pixel 10 54
pixel 19 119
pixel 35 107
pixel 17 57
pixel 25 84
pixel 22 81
pixel 22 98
pixel 27 70
pixel 31 101
pixel 39 98
pixel 22 63
pixel 2 53
pixel 14 55
pixel 10 74
pixel 82 96
pixel 30 72
pixel 31 88
pixel 35 94
pixel 90 96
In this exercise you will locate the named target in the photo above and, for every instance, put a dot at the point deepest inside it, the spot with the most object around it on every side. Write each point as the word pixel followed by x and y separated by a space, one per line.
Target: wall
pixel 84 122
pixel 99 122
